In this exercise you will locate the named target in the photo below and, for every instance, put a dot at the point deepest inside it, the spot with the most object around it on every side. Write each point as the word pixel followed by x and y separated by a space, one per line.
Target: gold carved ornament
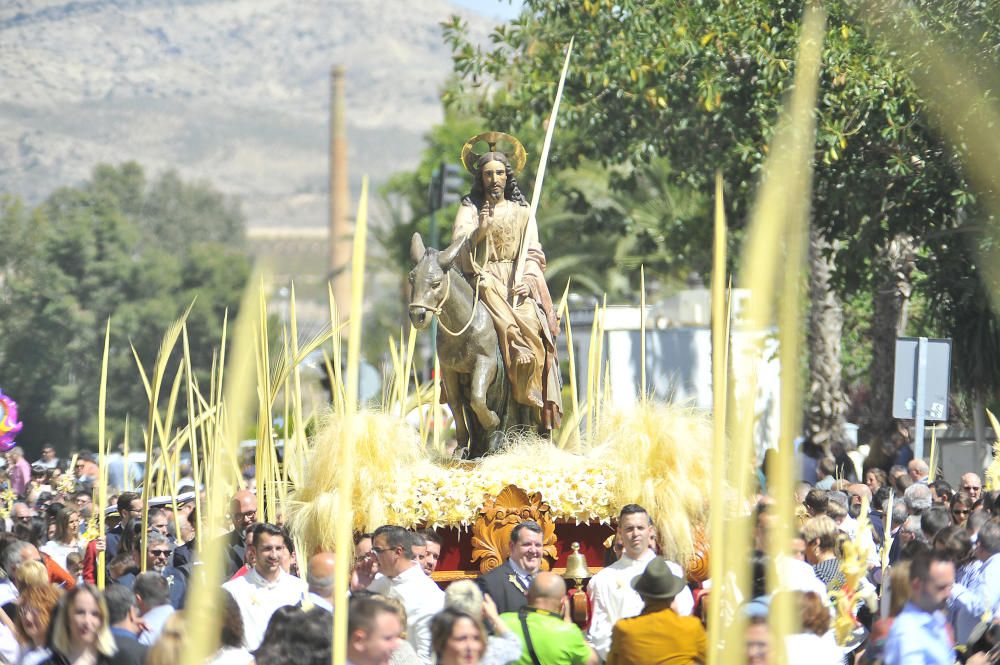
pixel 697 563
pixel 498 517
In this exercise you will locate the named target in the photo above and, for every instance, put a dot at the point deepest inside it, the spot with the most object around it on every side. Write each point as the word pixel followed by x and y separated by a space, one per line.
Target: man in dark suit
pixel 159 550
pixel 184 554
pixel 129 507
pixel 123 616
pixel 243 513
pixel 508 583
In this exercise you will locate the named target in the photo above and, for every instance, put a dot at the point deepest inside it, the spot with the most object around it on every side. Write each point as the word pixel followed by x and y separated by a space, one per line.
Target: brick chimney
pixel 341 231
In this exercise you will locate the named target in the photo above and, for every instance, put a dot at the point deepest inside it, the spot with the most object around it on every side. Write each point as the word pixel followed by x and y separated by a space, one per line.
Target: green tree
pixel 701 84
pixel 121 247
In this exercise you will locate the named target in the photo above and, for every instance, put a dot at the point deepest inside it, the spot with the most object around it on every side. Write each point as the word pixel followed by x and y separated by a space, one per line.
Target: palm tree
pixel 894 266
pixel 826 404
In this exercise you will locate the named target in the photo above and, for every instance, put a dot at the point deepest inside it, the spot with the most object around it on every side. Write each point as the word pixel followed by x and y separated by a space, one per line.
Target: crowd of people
pixel 928 586
pixel 926 551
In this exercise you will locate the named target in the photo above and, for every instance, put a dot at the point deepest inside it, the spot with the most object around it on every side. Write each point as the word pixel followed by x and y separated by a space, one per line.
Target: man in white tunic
pixel 267 586
pixel 611 594
pixel 403 578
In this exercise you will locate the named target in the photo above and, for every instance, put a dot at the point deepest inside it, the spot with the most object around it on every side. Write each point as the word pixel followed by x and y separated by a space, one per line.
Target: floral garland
pixel 437 496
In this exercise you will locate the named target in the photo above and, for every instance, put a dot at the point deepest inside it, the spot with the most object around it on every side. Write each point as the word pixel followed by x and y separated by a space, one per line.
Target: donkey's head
pixel 429 279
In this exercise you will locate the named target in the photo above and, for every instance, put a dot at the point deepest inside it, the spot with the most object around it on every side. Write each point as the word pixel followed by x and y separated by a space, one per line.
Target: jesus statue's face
pixel 494 175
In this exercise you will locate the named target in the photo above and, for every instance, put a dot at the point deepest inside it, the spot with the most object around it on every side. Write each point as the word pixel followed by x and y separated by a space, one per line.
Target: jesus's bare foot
pixel 522 358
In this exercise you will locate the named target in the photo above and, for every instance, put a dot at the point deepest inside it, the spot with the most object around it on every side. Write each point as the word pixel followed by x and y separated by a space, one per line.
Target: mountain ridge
pixel 226 90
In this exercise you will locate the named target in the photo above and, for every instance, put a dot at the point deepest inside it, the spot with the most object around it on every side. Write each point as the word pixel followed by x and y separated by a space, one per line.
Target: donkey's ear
pixel 447 256
pixel 417 247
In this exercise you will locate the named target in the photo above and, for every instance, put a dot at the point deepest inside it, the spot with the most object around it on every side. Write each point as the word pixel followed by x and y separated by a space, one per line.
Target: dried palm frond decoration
pixel 656 455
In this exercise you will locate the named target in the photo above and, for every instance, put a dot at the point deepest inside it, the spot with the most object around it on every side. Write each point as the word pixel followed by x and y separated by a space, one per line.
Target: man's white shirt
pixel 612 598
pixel 796 575
pixel 850 526
pixel 258 599
pixel 421 598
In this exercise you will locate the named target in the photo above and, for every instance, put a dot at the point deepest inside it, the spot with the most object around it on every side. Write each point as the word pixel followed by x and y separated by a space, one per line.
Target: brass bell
pixel 576 565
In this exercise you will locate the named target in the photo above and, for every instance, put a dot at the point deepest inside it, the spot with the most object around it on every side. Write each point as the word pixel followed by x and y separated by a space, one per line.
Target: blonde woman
pixel 821 536
pixel 35 605
pixel 29 574
pixel 80 634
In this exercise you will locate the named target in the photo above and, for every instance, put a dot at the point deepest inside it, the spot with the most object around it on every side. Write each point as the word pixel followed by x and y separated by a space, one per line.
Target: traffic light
pixel 446 186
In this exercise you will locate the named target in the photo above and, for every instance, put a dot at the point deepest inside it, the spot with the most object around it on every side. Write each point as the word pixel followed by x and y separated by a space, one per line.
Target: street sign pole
pixel 920 398
pixel 921 383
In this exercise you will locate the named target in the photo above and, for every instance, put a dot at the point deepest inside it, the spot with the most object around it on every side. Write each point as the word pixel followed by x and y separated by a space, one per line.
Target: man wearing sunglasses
pixel 404 578
pixel 20 513
pixel 159 551
pixel 972 484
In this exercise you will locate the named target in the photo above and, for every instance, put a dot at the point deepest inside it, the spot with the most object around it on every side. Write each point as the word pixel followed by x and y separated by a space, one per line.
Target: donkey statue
pixel 472 371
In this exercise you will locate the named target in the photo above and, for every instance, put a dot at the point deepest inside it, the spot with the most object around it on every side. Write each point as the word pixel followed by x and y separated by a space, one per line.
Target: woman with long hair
pixel 457 638
pixel 80 634
pixel 35 605
pixel 66 538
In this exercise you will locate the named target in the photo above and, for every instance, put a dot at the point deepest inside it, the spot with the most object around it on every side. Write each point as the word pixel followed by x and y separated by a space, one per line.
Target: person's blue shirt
pixel 116 472
pixel 919 638
pixel 975 593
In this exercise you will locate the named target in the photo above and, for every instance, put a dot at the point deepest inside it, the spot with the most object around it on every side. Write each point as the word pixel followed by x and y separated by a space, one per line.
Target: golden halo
pixel 516 155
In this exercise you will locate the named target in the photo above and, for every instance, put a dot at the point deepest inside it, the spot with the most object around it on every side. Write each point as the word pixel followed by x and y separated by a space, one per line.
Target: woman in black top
pixel 79 633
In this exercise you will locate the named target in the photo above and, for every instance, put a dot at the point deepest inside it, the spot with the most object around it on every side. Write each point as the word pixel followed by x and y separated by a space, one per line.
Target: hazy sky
pixel 505 9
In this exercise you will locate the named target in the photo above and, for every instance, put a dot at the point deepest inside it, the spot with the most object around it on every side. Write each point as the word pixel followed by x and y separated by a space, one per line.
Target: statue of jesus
pixel 494 219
